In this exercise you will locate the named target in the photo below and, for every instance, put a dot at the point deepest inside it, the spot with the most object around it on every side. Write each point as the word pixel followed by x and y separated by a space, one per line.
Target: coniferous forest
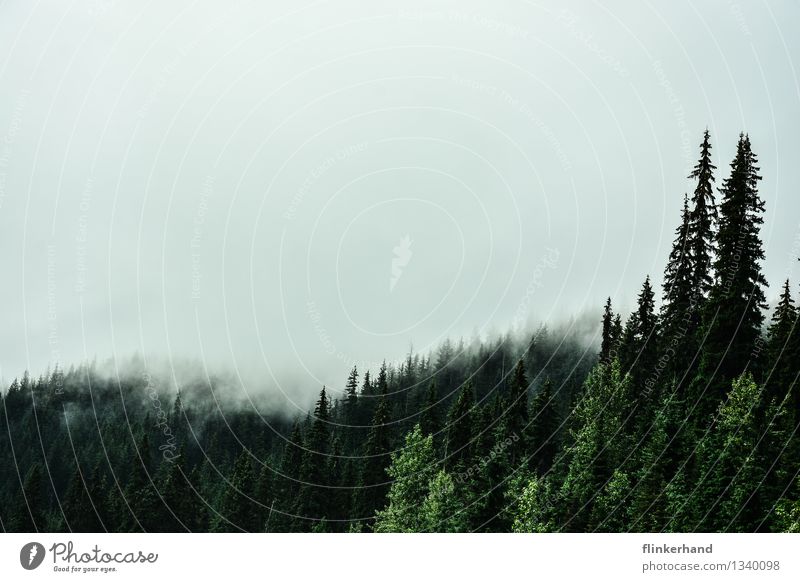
pixel 682 418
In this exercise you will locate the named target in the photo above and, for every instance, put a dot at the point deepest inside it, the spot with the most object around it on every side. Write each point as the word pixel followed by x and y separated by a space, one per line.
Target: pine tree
pixel 730 473
pixel 411 471
pixel 679 312
pixel 313 497
pixel 609 510
pixel 599 443
pixel 350 414
pixel 339 473
pixel 607 342
pixel 29 513
pixel 702 220
pixel 184 509
pixel 236 510
pixel 430 420
pixel 442 510
pixel 515 420
pixel 460 422
pixel 640 351
pixel 782 361
pixel 545 424
pixel 373 483
pixel 287 484
pixel 733 315
pixel 80 513
pixel 537 506
pixel 143 500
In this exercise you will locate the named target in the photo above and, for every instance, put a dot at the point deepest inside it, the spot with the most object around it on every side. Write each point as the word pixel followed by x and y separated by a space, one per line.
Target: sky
pixel 281 189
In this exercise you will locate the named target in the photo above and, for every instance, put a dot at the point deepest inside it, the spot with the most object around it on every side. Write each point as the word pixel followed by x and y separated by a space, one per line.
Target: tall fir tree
pixel 314 495
pixel 607 341
pixel 515 420
pixel 680 315
pixel 460 423
pixel 702 220
pixel 373 483
pixel 782 361
pixel 237 510
pixel 733 315
pixel 544 431
pixel 80 513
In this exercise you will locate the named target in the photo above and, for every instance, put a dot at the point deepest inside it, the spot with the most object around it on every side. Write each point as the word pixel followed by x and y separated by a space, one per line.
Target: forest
pixel 682 418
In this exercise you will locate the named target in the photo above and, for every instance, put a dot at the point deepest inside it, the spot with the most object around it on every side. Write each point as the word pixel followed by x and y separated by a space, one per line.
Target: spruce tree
pixel 607 342
pixel 460 422
pixel 702 221
pixel 236 510
pixel 545 423
pixel 373 482
pixel 515 420
pixel 733 315
pixel 313 497
pixel 29 513
pixel 80 513
pixel 782 361
pixel 143 500
pixel 411 472
pixel 184 509
pixel 430 418
pixel 442 510
pixel 680 311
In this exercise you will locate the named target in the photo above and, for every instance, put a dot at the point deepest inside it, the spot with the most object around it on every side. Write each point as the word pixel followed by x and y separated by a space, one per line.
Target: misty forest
pixel 682 417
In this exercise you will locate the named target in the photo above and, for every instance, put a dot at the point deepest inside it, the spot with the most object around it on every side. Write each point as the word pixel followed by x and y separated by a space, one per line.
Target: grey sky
pixel 285 187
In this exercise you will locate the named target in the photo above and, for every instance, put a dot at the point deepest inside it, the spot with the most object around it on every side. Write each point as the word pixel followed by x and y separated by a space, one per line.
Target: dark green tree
pixel 607 340
pixel 373 483
pixel 460 423
pixel 411 471
pixel 544 429
pixel 236 510
pixel 733 315
pixel 313 499
pixel 782 361
pixel 702 221
pixel 80 513
pixel 680 315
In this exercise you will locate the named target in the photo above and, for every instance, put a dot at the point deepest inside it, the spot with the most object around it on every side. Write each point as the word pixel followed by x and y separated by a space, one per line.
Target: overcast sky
pixel 285 187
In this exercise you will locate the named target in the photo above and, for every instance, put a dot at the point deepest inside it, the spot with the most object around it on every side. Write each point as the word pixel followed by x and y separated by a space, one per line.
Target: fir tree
pixel 184 507
pixel 411 471
pixel 430 420
pixel 460 422
pixel 545 423
pixel 679 312
pixel 80 513
pixel 702 220
pixel 373 483
pixel 29 512
pixel 515 419
pixel 782 361
pixel 607 341
pixel 442 510
pixel 312 500
pixel 733 315
pixel 729 465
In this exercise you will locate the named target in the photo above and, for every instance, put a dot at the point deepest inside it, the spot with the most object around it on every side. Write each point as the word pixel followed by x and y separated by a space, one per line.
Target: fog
pixel 283 189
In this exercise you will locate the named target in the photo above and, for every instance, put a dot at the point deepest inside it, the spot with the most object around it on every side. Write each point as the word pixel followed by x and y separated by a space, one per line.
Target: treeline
pixel 84 450
pixel 686 420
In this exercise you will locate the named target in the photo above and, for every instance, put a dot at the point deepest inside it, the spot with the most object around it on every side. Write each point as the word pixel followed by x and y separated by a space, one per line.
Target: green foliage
pixel 411 471
pixel 687 421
